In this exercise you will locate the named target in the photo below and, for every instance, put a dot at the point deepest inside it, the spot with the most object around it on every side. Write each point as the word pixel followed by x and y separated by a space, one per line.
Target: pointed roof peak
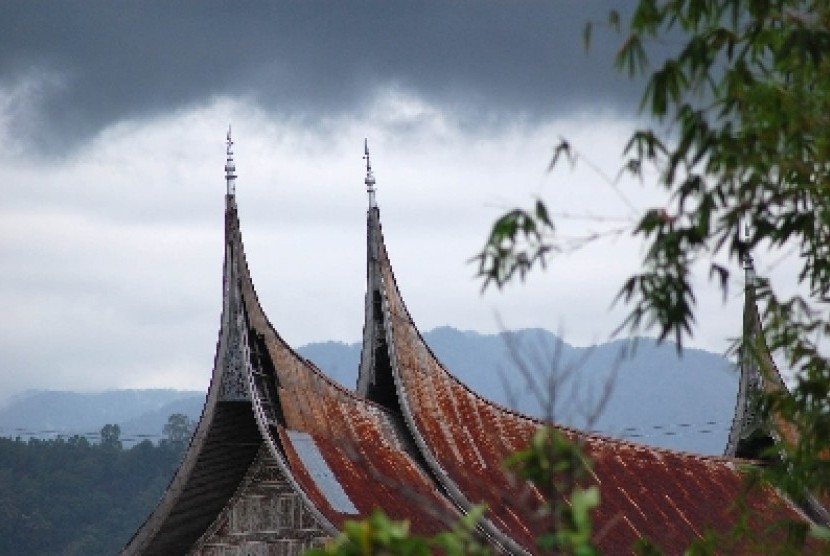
pixel 230 165
pixel 370 176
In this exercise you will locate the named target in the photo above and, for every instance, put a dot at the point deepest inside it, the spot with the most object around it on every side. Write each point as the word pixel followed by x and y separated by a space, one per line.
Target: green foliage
pixel 178 430
pixel 69 496
pixel 743 104
pixel 739 95
pixel 746 98
pixel 501 260
pixel 111 437
pixel 379 535
pixel 559 469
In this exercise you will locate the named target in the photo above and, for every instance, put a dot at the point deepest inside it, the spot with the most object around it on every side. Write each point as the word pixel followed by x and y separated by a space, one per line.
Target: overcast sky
pixel 113 118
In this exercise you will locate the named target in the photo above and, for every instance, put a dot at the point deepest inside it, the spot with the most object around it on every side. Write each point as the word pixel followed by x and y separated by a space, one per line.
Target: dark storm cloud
pixel 486 60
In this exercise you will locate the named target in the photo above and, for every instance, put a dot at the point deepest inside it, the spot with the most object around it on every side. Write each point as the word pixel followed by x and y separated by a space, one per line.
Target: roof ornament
pixel 230 166
pixel 370 177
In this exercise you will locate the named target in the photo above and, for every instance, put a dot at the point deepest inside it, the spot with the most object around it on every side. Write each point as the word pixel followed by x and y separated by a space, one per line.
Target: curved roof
pixel 669 497
pixel 414 440
pixel 345 456
pixel 348 455
pixel 222 449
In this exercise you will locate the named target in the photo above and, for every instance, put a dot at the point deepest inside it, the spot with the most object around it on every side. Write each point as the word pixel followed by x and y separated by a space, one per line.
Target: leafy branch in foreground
pixel 558 467
pixel 746 141
pixel 501 260
pixel 741 138
pixel 745 109
pixel 379 535
pixel 739 96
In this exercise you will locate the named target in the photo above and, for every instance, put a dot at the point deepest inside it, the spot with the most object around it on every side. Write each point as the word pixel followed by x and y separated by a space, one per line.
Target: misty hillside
pixel 655 396
pixel 45 414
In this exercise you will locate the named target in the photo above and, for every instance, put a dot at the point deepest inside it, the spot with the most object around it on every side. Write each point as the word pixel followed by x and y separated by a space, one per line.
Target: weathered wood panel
pixel 265 518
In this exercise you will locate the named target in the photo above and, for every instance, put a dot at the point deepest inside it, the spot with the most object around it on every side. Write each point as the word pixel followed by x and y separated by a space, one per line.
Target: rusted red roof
pixel 434 446
pixel 348 455
pixel 669 497
pixel 673 498
pixel 345 456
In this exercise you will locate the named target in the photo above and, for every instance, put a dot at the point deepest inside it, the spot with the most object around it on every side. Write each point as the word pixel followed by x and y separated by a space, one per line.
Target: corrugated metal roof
pixel 364 447
pixel 437 445
pixel 344 455
pixel 668 497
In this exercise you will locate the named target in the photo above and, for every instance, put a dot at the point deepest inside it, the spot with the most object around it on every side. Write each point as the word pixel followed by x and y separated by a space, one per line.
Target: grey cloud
pixel 485 61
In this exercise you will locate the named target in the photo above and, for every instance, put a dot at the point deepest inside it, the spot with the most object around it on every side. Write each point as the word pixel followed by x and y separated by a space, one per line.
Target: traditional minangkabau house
pixel 282 456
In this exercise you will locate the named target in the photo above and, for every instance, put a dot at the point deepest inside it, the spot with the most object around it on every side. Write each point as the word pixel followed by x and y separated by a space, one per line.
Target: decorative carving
pixel 266 517
pixel 237 353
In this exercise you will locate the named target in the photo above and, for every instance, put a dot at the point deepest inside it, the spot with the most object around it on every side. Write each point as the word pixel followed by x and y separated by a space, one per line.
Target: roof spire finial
pixel 230 166
pixel 370 177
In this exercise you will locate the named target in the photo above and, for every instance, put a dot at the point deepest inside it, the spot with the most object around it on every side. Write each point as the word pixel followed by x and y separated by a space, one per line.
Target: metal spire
pixel 230 166
pixel 370 177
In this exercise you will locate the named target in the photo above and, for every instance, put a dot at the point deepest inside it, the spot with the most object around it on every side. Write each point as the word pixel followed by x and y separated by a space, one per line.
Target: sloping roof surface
pixel 346 454
pixel 673 498
pixel 222 449
pixel 668 497
pixel 436 446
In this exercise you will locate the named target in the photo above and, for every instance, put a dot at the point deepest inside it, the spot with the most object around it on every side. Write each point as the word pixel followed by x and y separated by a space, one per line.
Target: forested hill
pixel 68 496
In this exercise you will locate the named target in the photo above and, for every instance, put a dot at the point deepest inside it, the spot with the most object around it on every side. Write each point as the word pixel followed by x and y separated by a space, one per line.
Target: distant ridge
pixel 658 398
pixel 47 413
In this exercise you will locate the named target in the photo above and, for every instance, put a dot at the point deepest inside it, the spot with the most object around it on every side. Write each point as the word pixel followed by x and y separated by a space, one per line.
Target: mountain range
pixel 636 389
